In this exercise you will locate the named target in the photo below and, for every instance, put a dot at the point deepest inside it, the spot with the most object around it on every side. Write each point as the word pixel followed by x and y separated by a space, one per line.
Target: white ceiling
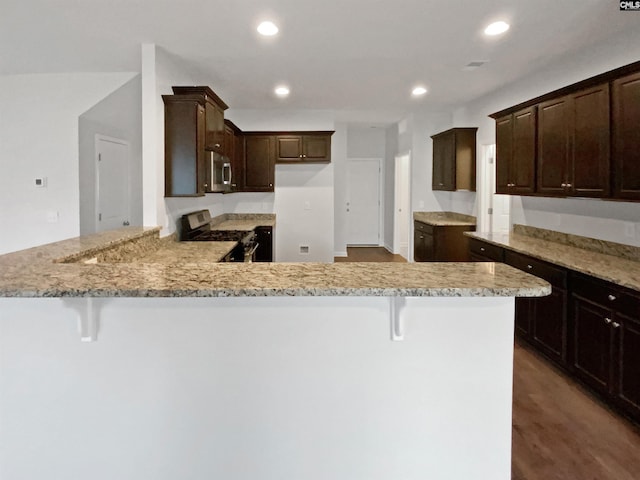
pixel 339 55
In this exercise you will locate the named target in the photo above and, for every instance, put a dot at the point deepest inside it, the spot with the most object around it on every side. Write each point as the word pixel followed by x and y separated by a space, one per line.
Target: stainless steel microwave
pixel 220 173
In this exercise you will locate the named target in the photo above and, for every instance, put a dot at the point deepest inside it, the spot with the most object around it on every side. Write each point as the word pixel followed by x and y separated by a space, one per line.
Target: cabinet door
pixel 553 146
pixel 259 163
pixel 589 174
pixel 288 148
pixel 185 172
pixel 626 137
pixel 237 164
pixel 264 252
pixel 422 246
pixel 444 149
pixel 592 343
pixel 504 153
pixel 523 160
pixel 628 363
pixel 523 317
pixel 548 329
pixel 229 143
pixel 214 139
pixel 316 148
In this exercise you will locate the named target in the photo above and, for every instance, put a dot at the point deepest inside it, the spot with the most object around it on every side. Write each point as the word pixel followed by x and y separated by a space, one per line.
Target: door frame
pixel 380 199
pixel 98 138
pixel 408 213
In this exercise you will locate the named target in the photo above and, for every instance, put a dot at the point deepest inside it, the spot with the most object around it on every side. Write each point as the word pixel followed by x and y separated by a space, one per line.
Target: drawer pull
pixel 607 321
pixel 615 325
pixel 530 267
pixel 612 297
pixel 482 249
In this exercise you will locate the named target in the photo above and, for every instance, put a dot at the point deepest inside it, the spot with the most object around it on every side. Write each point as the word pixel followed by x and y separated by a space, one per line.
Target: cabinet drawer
pixel 423 227
pixel 486 250
pixel 554 275
pixel 606 294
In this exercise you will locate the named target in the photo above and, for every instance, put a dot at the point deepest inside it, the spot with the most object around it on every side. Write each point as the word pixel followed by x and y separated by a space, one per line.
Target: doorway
pixel 402 205
pixel 363 201
pixel 494 209
pixel 112 183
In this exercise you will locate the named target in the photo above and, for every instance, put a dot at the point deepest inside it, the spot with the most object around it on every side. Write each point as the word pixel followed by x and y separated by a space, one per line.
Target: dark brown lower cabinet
pixel 543 321
pixel 606 341
pixel 434 243
pixel 264 252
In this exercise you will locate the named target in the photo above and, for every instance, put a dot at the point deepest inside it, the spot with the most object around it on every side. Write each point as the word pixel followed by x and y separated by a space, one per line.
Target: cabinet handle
pixel 300 156
pixel 271 184
pixel 563 185
pixel 304 156
pixel 612 297
pixel 607 321
pixel 217 145
pixel 615 325
pixel 482 249
pixel 569 185
pixel 421 237
pixel 530 267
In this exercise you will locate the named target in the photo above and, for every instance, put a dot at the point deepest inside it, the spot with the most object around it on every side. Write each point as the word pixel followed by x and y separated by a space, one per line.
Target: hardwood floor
pixel 562 432
pixel 369 254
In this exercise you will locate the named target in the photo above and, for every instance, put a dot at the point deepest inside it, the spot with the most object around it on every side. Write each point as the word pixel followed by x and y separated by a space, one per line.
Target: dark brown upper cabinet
pixel 214 113
pixel 312 147
pixel 585 139
pixel 573 144
pixel 259 165
pixel 454 160
pixel 234 151
pixel 516 152
pixel 626 137
pixel 184 153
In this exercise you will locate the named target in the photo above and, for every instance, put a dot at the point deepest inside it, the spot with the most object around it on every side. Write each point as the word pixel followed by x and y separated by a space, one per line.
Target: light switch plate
pixel 40 182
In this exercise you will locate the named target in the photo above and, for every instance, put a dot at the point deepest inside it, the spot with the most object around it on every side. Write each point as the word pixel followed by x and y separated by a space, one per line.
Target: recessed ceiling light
pixel 268 29
pixel 282 91
pixel 418 91
pixel 496 28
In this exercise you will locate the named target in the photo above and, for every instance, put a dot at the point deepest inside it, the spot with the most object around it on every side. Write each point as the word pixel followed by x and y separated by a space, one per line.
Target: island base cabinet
pixel 628 381
pixel 264 252
pixel 235 376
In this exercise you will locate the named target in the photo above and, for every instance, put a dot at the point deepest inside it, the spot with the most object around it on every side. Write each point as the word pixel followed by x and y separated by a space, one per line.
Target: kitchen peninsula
pixel 295 367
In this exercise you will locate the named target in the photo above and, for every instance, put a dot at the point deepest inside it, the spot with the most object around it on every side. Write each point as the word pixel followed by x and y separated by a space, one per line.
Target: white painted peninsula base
pixel 245 388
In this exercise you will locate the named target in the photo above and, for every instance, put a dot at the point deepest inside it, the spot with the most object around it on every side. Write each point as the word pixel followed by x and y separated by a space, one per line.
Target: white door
pixel 402 213
pixel 363 201
pixel 112 183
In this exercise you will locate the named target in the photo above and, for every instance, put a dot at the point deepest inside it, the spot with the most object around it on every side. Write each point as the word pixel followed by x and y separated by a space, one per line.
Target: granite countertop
pixel 163 269
pixel 174 253
pixel 243 222
pixel 604 260
pixel 445 219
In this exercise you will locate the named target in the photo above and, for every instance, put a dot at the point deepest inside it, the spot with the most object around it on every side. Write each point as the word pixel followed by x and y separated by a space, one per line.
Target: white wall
pixel 593 218
pixel 256 388
pixel 39 138
pixel 391 150
pixel 117 116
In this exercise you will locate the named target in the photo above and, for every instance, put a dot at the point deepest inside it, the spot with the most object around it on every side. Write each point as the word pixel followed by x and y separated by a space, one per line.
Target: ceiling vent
pixel 473 65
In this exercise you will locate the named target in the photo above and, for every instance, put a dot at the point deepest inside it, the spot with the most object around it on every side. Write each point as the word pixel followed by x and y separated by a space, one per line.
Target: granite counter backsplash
pixel 183 270
pixel 610 261
pixel 243 221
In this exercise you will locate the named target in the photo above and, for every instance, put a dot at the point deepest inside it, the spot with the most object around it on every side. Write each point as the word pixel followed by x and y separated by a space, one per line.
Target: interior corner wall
pixel 601 219
pixel 339 141
pixel 391 150
pixel 39 138
pixel 117 116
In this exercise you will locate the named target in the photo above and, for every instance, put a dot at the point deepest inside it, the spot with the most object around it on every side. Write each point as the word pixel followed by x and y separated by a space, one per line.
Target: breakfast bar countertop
pixel 135 262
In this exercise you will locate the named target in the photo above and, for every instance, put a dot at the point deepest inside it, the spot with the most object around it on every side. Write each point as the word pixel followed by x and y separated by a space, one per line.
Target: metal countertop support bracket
pixel 396 317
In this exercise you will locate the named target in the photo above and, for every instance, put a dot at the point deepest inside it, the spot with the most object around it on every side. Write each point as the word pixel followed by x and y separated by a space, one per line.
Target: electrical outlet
pixel 629 230
pixel 304 249
pixel 52 217
pixel 40 182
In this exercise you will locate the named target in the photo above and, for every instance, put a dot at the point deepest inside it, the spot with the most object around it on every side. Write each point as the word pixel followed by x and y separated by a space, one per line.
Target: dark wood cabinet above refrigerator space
pixel 578 141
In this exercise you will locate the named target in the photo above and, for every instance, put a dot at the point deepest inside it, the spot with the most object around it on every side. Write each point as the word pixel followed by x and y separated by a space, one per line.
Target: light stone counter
pixel 608 261
pixel 163 269
pixel 243 221
pixel 444 219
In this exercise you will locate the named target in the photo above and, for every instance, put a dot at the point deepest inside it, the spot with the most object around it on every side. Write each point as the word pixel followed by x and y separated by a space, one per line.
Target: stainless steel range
pixel 196 227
